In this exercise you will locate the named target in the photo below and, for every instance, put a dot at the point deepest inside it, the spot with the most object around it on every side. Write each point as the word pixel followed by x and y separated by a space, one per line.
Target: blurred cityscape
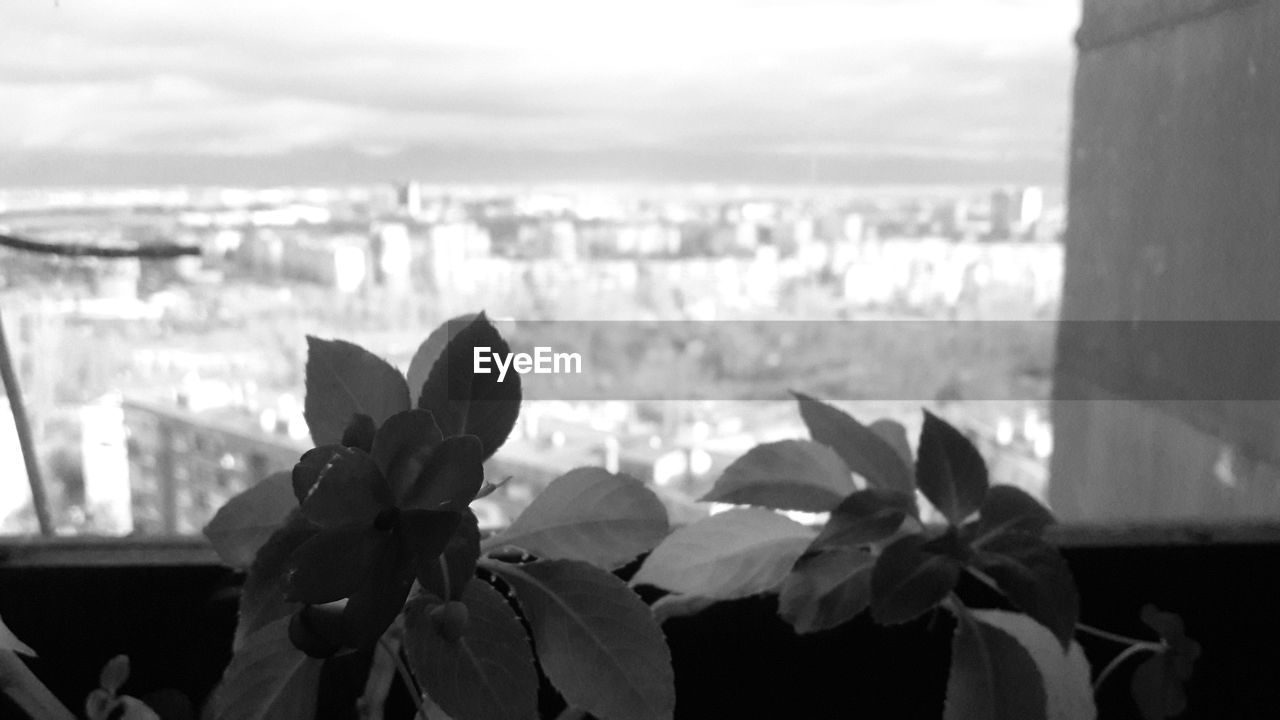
pixel 158 389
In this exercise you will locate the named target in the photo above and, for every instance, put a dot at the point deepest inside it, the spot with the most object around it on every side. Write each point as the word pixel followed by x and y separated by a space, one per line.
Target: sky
pixel 285 91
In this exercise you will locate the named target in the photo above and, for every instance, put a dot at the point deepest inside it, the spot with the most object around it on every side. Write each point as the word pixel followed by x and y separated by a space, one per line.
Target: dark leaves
pixel 1035 578
pixel 451 477
pixel 863 450
pixel 910 579
pixel 866 516
pixel 1010 509
pixel 430 350
pixel 468 403
pixel 344 380
pixel 949 470
pixel 826 589
pixel 1158 684
pixel 263 598
pixel 446 576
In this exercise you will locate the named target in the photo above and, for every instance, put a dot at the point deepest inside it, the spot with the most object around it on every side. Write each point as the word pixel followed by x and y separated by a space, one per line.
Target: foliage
pixel 369 546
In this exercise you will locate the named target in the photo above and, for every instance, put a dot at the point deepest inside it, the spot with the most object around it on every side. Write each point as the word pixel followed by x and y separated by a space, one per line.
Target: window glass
pixel 713 203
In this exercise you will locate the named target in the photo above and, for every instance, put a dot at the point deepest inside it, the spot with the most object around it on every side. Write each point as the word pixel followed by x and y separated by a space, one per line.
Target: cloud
pixel 985 80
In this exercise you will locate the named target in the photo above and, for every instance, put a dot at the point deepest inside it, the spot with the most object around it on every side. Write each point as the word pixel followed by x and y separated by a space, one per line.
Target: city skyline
pixel 718 91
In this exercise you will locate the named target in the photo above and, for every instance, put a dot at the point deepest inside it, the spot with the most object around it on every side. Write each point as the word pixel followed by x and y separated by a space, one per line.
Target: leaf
pixel 826 589
pixel 786 475
pixel 588 514
pixel 9 641
pixel 949 470
pixel 268 678
pixel 864 517
pixel 349 488
pixel 447 576
pixel 673 606
pixel 1157 685
pixel 262 600
pixel 451 477
pixel 468 403
pixel 114 674
pixel 895 434
pixel 1010 509
pixel 733 554
pixel 488 673
pixel 430 350
pixel 343 380
pixel 863 450
pixel 909 580
pixel 1035 578
pixel 334 563
pixel 401 446
pixel 243 524
pixel 1006 666
pixel 597 642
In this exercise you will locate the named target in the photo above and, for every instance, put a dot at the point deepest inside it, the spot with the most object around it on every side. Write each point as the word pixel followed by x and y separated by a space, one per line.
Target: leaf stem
pixel 1125 654
pixel 1114 637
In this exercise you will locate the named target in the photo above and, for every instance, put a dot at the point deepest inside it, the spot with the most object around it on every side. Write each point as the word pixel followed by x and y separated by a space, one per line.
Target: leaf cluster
pixel 369 545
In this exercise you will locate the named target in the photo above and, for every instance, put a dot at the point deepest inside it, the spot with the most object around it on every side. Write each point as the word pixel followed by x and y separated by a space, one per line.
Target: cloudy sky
pixel 235 91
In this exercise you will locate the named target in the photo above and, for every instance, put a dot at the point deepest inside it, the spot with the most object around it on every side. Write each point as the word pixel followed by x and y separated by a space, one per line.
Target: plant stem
pixel 1113 637
pixel 1124 655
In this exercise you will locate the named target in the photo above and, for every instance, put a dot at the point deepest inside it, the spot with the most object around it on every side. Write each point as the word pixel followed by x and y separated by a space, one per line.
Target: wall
pixel 1174 215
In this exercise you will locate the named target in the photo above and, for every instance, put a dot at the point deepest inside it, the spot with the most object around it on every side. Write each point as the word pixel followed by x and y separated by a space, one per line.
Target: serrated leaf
pixel 909 580
pixel 1035 578
pixel 9 641
pixel 786 475
pixel 949 470
pixel 268 679
pixel 596 641
pixel 1005 666
pixel 262 599
pixel 344 380
pixel 588 514
pixel 864 517
pixel 243 525
pixel 465 402
pixel 488 673
pixel 862 449
pixel 826 589
pixel 733 554
pixel 430 350
pixel 1010 509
